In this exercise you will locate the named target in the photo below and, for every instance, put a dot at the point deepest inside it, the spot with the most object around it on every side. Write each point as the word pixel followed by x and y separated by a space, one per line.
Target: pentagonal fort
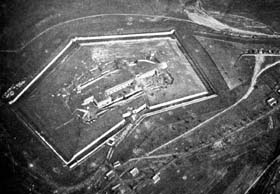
pixel 103 84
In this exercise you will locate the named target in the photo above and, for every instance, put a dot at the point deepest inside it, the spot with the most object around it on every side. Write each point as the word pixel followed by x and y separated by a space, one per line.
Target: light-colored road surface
pixel 200 17
pixel 259 177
